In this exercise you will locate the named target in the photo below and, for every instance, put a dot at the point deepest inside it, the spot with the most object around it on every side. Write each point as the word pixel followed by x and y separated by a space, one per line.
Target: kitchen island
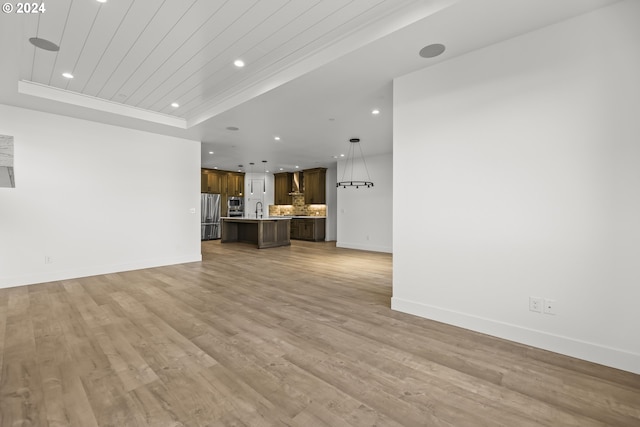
pixel 264 232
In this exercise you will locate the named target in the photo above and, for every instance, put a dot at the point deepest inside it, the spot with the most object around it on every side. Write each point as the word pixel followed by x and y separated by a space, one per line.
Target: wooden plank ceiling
pixel 149 54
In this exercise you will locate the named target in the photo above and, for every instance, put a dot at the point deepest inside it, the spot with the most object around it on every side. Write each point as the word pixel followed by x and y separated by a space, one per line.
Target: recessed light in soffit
pixel 44 44
pixel 432 50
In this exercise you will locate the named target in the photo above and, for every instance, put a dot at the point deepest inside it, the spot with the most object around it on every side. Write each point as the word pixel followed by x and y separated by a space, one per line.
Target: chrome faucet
pixel 261 212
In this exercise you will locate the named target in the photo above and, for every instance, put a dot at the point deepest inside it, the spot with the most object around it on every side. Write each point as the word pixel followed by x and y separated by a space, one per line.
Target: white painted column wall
pixel 528 156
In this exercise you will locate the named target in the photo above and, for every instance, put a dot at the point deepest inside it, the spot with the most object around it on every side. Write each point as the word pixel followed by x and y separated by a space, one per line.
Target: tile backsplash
pixel 298 208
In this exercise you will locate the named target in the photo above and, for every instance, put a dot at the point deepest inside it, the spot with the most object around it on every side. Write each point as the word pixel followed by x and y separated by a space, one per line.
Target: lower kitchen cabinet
pixel 312 229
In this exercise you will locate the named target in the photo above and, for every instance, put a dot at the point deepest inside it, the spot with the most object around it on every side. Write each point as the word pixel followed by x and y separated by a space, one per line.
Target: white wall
pixel 251 200
pixel 364 218
pixel 331 227
pixel 529 162
pixel 95 199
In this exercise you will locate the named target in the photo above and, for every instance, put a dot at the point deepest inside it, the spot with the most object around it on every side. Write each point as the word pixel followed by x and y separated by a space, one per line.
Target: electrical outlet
pixel 48 259
pixel 549 306
pixel 535 304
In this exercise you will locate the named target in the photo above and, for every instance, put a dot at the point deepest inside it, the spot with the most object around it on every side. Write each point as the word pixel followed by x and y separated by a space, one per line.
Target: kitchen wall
pixel 298 207
pixel 364 215
pixel 526 157
pixel 331 228
pixel 251 200
pixel 92 198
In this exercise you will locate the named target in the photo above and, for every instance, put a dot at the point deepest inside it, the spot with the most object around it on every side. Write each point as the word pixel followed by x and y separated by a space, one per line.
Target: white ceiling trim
pixel 61 95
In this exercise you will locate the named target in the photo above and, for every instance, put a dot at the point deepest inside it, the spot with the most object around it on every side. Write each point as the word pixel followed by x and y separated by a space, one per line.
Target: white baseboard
pixel 362 247
pixel 52 276
pixel 588 351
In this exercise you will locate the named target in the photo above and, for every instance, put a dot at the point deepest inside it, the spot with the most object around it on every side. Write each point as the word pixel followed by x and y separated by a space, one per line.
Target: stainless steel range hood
pixel 297 184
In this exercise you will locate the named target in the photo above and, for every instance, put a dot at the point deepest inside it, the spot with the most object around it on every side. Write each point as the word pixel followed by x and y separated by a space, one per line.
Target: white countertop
pixel 300 216
pixel 268 218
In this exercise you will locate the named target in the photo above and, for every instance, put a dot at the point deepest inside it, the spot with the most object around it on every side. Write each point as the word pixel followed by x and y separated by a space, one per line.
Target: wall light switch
pixel 192 210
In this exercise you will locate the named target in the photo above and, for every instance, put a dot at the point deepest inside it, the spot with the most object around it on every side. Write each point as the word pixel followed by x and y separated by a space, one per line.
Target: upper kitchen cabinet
pixel 315 187
pixel 235 184
pixel 213 181
pixel 204 181
pixel 282 183
pixel 217 182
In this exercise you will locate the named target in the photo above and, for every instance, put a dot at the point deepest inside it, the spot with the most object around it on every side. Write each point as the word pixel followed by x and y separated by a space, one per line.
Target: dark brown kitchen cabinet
pixel 282 182
pixel 224 183
pixel 204 181
pixel 235 184
pixel 294 231
pixel 217 182
pixel 312 229
pixel 315 182
pixel 213 181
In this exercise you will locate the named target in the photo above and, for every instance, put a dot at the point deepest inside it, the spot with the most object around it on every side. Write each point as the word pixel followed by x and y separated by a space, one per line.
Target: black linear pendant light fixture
pixel 264 181
pixel 251 177
pixel 349 167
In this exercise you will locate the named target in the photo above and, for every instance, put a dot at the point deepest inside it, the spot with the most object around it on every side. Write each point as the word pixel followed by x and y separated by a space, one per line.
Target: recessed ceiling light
pixel 232 128
pixel 67 75
pixel 101 1
pixel 297 167
pixel 277 138
pixel 281 169
pixel 341 155
pixel 215 167
pixel 175 104
pixel 238 63
pixel 210 152
pixel 432 50
pixel 44 44
pixel 375 112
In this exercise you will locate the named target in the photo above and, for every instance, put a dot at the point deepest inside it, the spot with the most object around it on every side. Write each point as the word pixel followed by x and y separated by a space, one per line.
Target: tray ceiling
pixel 150 54
pixel 315 69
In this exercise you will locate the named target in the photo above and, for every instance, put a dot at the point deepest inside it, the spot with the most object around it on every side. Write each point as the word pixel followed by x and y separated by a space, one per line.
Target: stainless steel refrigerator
pixel 210 216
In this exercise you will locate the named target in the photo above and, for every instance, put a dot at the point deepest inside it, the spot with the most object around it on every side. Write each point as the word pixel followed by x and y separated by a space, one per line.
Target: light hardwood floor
pixel 291 336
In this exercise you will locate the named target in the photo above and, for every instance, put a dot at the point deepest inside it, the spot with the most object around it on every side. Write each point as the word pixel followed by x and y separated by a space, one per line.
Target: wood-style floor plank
pixel 290 336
